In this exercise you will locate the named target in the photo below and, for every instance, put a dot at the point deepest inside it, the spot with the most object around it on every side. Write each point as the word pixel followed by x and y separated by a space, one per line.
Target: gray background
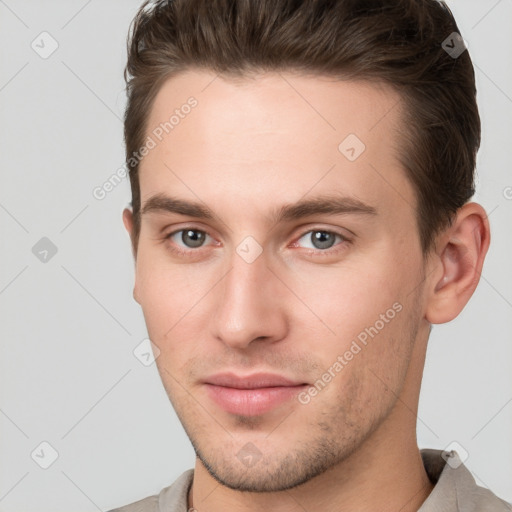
pixel 69 325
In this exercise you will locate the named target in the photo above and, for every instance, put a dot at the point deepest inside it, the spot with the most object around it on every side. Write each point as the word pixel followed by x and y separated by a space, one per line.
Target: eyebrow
pixel 330 204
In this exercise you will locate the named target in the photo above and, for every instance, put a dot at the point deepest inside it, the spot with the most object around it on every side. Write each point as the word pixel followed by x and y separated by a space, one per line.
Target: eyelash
pixel 310 252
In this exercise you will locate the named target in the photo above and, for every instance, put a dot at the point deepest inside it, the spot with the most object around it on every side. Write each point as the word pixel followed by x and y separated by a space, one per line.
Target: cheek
pixel 166 291
pixel 175 300
pixel 371 327
pixel 369 371
pixel 350 299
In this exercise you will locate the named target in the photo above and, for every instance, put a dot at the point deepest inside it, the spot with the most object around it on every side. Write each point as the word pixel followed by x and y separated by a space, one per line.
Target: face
pixel 278 269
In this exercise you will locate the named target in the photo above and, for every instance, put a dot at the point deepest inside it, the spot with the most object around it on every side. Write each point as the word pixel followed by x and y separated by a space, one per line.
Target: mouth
pixel 251 395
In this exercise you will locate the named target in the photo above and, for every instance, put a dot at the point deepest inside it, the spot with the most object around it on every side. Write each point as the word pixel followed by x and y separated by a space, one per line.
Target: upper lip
pixel 254 381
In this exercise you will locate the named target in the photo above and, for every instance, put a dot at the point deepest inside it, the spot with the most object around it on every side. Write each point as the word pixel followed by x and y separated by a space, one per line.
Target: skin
pixel 249 148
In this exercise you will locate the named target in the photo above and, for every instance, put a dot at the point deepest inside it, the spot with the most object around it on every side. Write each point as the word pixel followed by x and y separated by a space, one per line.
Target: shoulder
pixel 149 504
pixel 172 498
pixel 455 488
pixel 484 499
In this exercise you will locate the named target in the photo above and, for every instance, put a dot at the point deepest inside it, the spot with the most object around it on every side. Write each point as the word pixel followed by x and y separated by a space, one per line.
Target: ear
pixel 128 224
pixel 458 261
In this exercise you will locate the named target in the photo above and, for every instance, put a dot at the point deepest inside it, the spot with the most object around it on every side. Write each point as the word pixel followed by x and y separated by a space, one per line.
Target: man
pixel 301 174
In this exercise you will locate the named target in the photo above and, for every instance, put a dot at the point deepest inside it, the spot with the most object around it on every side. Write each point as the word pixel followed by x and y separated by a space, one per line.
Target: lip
pixel 251 395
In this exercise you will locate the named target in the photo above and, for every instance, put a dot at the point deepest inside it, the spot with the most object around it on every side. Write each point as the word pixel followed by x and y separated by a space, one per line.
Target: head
pixel 320 156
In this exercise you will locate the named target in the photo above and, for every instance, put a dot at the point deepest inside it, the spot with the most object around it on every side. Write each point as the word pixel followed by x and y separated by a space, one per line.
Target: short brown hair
pixel 398 42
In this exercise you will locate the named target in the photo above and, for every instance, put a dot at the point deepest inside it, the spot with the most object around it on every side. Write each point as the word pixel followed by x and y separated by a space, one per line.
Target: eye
pixel 189 238
pixel 320 239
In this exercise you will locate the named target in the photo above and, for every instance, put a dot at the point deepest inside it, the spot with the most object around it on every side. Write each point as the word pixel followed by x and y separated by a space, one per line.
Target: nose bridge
pixel 247 305
pixel 245 285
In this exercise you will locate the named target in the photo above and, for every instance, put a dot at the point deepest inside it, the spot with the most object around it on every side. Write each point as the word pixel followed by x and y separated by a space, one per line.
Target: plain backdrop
pixel 69 327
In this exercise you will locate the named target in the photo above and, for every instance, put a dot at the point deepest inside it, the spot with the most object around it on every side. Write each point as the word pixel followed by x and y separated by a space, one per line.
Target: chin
pixel 272 473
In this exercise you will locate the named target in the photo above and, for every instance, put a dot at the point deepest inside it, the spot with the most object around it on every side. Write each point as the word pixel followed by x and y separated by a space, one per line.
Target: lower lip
pixel 251 402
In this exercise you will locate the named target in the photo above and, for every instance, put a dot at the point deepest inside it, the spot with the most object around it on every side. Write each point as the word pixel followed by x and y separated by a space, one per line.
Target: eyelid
pixel 345 240
pixel 184 226
pixel 183 250
pixel 168 236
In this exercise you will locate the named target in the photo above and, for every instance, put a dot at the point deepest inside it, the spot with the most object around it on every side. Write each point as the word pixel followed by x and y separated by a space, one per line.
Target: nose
pixel 250 304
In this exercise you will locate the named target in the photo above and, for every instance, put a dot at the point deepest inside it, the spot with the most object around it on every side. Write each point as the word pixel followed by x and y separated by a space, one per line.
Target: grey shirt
pixel 455 490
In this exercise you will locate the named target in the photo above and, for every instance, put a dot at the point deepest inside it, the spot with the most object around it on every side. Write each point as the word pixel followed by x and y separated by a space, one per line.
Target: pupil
pixel 192 238
pixel 322 239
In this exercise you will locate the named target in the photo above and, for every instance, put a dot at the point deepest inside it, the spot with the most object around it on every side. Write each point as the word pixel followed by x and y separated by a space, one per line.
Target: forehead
pixel 279 99
pixel 274 134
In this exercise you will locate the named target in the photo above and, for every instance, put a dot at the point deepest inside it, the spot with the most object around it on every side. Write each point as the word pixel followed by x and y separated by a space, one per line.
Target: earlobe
pixel 460 256
pixel 128 220
pixel 136 294
pixel 128 224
